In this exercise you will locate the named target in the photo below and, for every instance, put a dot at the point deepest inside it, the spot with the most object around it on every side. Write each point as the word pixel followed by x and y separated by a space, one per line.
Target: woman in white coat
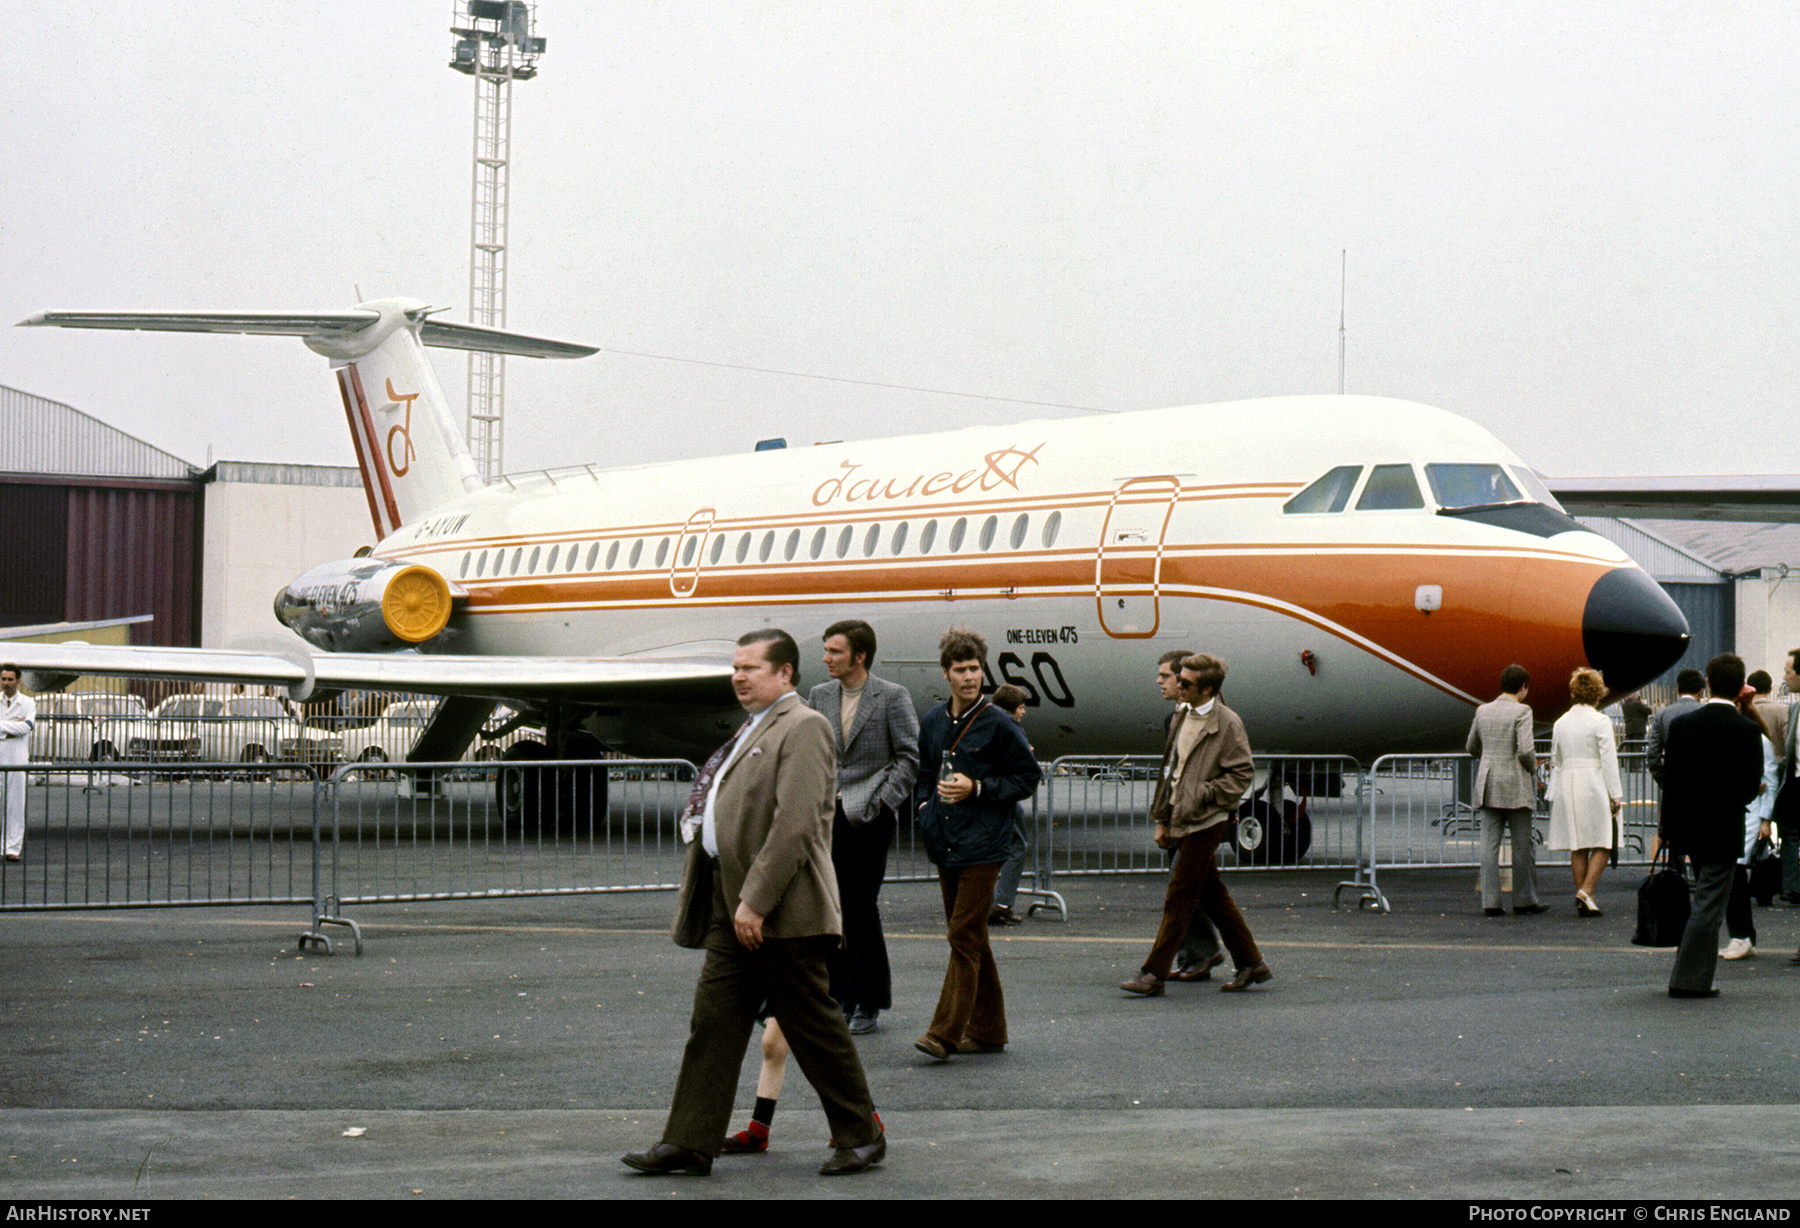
pixel 1585 796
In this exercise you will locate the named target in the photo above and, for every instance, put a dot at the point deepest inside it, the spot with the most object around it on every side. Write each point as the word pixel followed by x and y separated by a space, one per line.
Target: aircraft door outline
pixel 1128 564
pixel 690 553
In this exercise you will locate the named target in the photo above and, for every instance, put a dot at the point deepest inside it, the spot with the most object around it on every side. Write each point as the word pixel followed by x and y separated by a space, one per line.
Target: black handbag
pixel 1663 905
pixel 1765 872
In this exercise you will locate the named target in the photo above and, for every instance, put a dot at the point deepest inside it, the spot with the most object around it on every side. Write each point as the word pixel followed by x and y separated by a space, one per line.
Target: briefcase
pixel 1663 905
pixel 1765 872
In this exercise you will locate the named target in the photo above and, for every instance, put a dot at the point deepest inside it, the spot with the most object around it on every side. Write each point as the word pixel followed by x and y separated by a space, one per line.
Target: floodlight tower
pixel 495 44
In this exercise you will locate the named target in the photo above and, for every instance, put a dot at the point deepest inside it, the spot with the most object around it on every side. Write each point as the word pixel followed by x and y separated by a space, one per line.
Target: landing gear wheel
pixel 548 800
pixel 1262 840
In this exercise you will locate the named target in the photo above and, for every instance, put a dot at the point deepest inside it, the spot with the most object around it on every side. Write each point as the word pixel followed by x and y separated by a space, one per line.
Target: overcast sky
pixel 1575 223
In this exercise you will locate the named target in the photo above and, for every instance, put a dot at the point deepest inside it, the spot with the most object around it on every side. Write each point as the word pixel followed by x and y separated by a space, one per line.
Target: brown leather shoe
pixel 979 1046
pixel 1241 980
pixel 1144 986
pixel 847 1160
pixel 932 1047
pixel 668 1160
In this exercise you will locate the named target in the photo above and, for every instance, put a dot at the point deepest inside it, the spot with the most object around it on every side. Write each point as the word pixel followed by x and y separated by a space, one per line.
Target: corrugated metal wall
pixel 134 550
pixel 32 561
pixel 1711 611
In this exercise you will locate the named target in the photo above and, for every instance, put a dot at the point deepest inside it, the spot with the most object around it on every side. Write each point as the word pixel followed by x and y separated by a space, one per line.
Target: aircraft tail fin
pixel 408 445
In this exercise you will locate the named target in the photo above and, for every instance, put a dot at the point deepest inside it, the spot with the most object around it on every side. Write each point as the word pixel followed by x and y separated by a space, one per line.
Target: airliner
pixel 1365 566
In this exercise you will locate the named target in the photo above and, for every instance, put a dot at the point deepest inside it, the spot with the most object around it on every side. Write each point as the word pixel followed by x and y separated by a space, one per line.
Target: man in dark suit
pixel 1506 791
pixel 1712 769
pixel 759 895
pixel 876 731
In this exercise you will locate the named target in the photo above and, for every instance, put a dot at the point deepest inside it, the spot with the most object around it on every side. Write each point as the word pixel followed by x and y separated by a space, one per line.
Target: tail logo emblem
pixel 404 430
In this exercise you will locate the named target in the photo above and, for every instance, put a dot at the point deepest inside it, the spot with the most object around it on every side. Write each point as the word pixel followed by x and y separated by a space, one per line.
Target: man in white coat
pixel 18 713
pixel 1506 791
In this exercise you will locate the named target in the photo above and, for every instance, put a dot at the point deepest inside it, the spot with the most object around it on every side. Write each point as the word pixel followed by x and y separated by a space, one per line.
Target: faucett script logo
pixel 1002 468
pixel 404 430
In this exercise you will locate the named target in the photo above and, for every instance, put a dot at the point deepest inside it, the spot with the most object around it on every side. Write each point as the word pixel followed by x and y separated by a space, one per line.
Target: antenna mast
pixel 1343 283
pixel 495 44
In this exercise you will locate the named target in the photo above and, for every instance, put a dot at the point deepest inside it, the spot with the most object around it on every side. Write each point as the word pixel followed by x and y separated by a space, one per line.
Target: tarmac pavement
pixel 518 1047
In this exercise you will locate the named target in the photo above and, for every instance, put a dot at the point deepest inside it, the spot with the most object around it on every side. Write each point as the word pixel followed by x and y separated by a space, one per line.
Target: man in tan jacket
pixel 1502 741
pixel 759 895
pixel 1206 772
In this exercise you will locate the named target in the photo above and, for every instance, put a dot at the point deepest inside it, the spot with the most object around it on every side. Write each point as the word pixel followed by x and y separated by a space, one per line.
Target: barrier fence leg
pixel 1368 894
pixel 1044 896
pixel 325 906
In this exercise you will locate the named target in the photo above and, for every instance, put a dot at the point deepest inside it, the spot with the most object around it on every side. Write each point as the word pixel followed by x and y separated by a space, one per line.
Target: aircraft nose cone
pixel 1630 629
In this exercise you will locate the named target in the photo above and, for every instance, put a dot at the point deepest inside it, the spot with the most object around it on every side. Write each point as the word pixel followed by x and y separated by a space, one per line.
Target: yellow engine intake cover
pixel 416 604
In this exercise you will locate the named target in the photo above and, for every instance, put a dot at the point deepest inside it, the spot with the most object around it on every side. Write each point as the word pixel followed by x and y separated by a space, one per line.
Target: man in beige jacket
pixel 1206 772
pixel 1506 791
pixel 759 895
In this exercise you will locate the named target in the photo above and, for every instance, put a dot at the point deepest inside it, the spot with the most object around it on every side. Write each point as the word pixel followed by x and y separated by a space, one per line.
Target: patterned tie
pixel 694 814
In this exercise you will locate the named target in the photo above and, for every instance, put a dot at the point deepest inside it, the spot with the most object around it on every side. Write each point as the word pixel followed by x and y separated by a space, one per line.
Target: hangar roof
pixel 41 436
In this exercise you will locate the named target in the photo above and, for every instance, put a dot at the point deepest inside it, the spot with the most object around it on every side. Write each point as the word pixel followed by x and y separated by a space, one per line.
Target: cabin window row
pixel 846 541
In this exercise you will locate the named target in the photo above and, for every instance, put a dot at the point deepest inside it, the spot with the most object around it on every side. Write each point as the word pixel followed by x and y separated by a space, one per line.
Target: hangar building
pixel 101 526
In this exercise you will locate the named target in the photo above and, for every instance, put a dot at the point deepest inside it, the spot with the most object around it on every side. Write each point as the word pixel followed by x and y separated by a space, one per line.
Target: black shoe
pixel 863 1022
pixel 1529 910
pixel 1495 912
pixel 668 1160
pixel 1201 971
pixel 847 1160
pixel 1677 992
pixel 1002 914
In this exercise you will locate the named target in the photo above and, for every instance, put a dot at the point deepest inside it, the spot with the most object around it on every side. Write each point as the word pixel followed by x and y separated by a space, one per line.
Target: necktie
pixel 695 811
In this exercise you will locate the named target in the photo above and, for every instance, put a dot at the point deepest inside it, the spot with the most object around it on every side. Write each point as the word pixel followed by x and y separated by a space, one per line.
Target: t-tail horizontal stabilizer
pixel 408 445
pixel 325 324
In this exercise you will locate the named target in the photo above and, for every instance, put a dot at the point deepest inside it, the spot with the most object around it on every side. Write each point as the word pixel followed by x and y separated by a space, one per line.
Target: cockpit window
pixel 1471 485
pixel 1528 481
pixel 1390 487
pixel 1330 493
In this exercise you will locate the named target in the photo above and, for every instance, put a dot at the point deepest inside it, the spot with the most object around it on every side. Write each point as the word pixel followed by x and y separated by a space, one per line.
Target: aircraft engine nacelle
pixel 367 605
pixel 38 682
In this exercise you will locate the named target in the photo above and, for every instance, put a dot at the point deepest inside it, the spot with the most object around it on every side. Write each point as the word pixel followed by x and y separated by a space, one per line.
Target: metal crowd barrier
pixel 907 862
pixel 440 831
pixel 148 835
pixel 170 834
pixel 1421 813
pixel 152 835
pixel 1304 812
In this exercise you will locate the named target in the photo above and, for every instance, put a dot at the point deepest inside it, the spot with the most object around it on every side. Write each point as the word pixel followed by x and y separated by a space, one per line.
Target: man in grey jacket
pixel 1787 796
pixel 1506 791
pixel 877 734
pixel 1690 685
